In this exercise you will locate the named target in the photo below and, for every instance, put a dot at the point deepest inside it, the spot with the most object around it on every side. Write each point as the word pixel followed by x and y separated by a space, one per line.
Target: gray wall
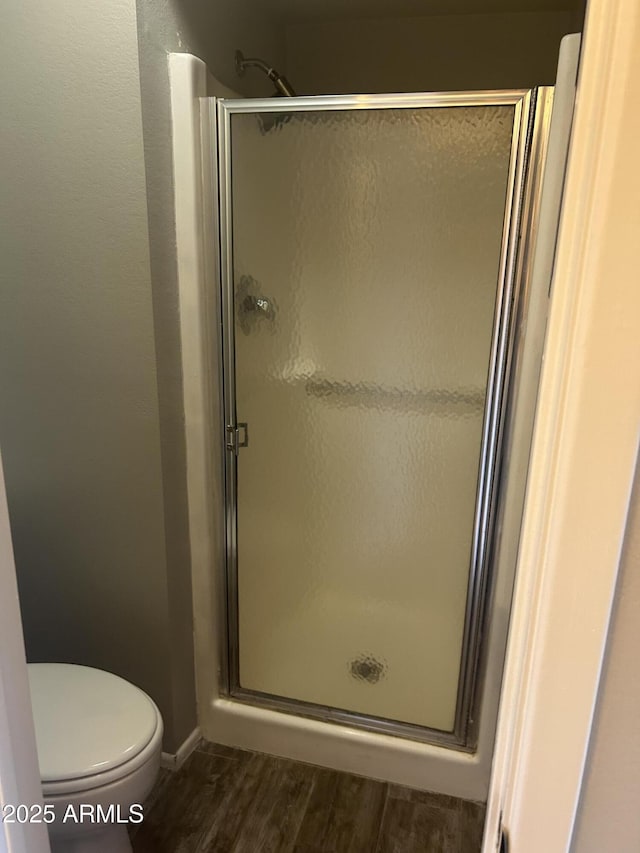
pixel 435 53
pixel 100 580
pixel 609 814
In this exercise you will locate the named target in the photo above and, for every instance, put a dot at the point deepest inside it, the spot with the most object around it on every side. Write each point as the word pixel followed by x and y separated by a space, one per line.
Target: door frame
pixel 583 456
pixel 19 772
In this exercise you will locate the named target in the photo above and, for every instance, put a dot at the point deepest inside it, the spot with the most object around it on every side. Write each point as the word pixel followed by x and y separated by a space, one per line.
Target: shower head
pixel 285 89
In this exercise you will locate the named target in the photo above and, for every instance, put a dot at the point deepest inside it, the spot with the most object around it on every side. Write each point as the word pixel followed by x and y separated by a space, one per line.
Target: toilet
pixel 99 742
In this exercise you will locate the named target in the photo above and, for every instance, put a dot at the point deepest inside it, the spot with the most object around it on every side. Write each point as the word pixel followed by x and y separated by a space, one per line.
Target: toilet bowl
pixel 99 740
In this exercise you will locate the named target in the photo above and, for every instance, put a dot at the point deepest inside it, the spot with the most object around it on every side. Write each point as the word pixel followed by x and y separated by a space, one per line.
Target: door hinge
pixel 234 439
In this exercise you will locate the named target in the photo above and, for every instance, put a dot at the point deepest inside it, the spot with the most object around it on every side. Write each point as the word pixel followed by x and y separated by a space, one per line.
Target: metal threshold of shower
pixel 281 329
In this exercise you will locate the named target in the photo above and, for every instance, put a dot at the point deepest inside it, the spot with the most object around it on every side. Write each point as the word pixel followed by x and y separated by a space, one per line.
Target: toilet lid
pixel 87 721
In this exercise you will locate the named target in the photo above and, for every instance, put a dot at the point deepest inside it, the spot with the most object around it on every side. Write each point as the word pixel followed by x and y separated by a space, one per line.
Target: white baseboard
pixel 175 760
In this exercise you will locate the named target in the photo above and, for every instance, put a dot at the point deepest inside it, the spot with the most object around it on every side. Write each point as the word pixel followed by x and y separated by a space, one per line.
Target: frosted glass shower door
pixel 365 267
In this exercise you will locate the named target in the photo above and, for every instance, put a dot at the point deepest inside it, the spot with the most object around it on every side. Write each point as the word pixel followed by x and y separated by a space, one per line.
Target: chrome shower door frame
pixel 495 411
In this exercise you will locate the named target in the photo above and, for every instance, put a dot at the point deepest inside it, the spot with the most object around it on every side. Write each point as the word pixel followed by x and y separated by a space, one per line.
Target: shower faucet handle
pixel 251 306
pixel 259 304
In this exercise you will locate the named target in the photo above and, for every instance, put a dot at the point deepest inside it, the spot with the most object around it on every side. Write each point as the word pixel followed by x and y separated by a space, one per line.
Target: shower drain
pixel 368 668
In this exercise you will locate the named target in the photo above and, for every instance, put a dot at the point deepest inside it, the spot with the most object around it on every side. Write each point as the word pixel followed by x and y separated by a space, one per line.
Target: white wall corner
pixel 194 198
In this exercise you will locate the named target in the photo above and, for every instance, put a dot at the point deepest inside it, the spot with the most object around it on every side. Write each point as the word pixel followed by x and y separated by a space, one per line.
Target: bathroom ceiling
pixel 333 9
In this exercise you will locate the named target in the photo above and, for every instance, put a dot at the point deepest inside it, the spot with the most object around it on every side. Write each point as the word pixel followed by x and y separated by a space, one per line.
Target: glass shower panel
pixel 366 255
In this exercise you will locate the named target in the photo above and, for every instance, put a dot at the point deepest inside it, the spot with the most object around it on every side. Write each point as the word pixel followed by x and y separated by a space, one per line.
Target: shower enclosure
pixel 370 270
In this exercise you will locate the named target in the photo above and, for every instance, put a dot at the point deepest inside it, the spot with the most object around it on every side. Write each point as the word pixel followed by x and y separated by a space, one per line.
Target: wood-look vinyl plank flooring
pixel 226 800
pixel 343 813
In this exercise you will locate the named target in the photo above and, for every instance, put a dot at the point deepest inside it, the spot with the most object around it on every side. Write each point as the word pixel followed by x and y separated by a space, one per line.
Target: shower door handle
pixel 234 442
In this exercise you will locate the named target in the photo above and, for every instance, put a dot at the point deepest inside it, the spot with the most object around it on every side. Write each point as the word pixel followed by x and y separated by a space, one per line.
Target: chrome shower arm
pixel 281 83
